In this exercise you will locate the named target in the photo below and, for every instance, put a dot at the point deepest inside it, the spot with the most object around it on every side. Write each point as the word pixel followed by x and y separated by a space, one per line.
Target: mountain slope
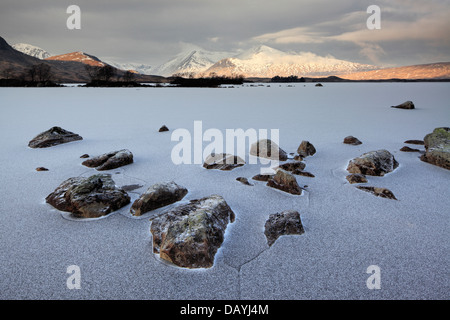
pixel 78 56
pixel 134 67
pixel 266 62
pixel 423 71
pixel 31 50
pixel 192 61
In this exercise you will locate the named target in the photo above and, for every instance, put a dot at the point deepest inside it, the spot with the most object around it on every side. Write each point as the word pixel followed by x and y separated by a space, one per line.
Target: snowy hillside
pixel 31 50
pixel 138 67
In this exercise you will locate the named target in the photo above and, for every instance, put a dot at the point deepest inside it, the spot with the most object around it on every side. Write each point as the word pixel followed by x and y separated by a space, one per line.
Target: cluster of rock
pixel 373 163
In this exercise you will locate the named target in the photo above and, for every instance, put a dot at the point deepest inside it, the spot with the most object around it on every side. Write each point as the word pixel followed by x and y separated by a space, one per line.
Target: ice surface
pixel 346 230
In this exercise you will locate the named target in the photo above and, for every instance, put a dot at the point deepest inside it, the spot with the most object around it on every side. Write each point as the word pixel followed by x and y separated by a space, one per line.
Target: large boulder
pixel 284 223
pixel 437 147
pixel 52 137
pixel 266 148
pixel 90 197
pixel 373 163
pixel 110 160
pixel 223 161
pixel 284 181
pixel 157 196
pixel 189 235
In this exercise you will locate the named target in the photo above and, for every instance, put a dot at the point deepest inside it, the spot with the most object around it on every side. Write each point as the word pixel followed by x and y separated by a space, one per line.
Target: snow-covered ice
pixel 346 230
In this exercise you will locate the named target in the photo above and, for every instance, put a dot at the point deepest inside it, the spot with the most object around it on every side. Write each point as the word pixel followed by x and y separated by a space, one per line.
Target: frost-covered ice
pixel 346 230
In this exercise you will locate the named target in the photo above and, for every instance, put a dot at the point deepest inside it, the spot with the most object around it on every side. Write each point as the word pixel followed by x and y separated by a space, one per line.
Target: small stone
pixel 284 223
pixel 418 142
pixel 356 178
pixel 352 140
pixel 303 173
pixel 163 129
pixel 223 161
pixel 319 85
pixel 41 169
pixel 243 181
pixel 52 137
pixel 405 105
pixel 437 148
pixel 291 166
pixel 111 160
pixel 379 192
pixel 84 156
pixel 262 177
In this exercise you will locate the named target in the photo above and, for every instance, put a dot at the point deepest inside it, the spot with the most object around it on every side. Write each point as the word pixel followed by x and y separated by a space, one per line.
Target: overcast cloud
pixel 151 32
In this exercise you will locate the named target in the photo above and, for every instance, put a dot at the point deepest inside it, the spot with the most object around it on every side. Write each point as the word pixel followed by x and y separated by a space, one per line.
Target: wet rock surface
pixel 110 160
pixel 52 137
pixel 158 196
pixel 90 197
pixel 284 223
pixel 373 163
pixel 437 148
pixel 189 235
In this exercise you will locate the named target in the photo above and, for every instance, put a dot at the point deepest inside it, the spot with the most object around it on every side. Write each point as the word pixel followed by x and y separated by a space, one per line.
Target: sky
pixel 152 32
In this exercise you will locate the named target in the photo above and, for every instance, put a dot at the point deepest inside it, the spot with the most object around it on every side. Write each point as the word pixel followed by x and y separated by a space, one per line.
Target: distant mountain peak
pixel 32 50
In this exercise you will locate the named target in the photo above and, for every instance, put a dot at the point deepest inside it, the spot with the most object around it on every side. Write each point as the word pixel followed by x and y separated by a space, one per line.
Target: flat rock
pixel 408 149
pixel 223 161
pixel 306 149
pixel 266 148
pixel 262 177
pixel 41 169
pixel 373 163
pixel 243 180
pixel 356 178
pixel 418 142
pixel 379 192
pixel 189 235
pixel 284 181
pixel 157 196
pixel 437 148
pixel 293 165
pixel 110 160
pixel 91 197
pixel 284 223
pixel 405 105
pixel 352 140
pixel 84 156
pixel 52 137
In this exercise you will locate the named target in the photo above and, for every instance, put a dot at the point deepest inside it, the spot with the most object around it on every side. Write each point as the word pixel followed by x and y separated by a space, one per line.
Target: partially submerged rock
pixel 91 197
pixel 266 148
pixel 41 169
pixel 373 163
pixel 379 192
pixel 352 140
pixel 437 148
pixel 405 105
pixel 52 137
pixel 356 178
pixel 223 161
pixel 284 223
pixel 189 235
pixel 110 160
pixel 284 181
pixel 157 196
pixel 418 142
pixel 243 180
pixel 262 177
pixel 408 149
pixel 163 129
pixel 306 149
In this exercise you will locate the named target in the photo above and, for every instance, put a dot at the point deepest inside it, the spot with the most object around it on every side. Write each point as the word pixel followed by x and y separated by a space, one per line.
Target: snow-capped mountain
pixel 135 67
pixel 31 50
pixel 266 62
pixel 191 61
pixel 79 56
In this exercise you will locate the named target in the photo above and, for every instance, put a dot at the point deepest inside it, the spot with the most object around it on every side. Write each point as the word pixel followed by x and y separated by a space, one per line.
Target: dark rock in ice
pixel 379 192
pixel 408 149
pixel 189 235
pixel 41 169
pixel 163 129
pixel 266 148
pixel 91 197
pixel 306 149
pixel 223 161
pixel 111 160
pixel 157 196
pixel 319 85
pixel 352 140
pixel 243 181
pixel 262 177
pixel 284 223
pixel 291 166
pixel 285 181
pixel 418 142
pixel 405 105
pixel 52 137
pixel 356 178
pixel 437 148
pixel 373 163
pixel 84 156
